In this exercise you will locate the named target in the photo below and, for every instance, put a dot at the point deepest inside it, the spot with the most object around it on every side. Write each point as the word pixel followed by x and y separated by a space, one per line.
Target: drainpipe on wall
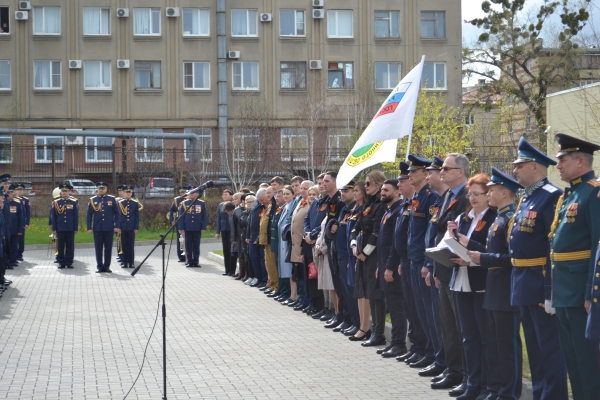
pixel 222 79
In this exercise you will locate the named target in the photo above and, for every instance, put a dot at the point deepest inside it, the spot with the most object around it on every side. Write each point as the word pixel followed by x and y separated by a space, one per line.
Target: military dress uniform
pixel 5 233
pixel 193 222
pixel 173 217
pixel 119 248
pixel 65 222
pixel 531 279
pixel 577 231
pixel 102 218
pixel 27 215
pixel 129 216
pixel 17 225
pixel 592 330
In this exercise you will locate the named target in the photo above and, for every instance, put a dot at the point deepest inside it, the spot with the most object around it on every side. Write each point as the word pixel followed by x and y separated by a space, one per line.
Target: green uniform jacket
pixel 578 230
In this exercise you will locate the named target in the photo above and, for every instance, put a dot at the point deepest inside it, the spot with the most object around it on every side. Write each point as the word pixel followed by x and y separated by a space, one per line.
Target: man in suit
pixel 17 224
pixel 102 219
pixel 223 231
pixel 454 174
pixel 192 224
pixel 129 216
pixel 65 225
pixel 503 340
pixel 532 275
pixel 575 232
pixel 19 187
pixel 173 213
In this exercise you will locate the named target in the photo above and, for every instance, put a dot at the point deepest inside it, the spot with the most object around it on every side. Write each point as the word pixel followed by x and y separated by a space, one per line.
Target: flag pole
pixel 408 147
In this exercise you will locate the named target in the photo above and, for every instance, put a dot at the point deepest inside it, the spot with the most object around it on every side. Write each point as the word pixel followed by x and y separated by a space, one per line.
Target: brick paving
pixel 75 334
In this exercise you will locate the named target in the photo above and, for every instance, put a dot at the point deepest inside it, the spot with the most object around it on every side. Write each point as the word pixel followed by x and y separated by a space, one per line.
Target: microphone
pixel 201 188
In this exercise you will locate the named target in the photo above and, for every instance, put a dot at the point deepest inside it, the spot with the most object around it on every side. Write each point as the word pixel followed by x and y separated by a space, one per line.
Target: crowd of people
pixel 519 252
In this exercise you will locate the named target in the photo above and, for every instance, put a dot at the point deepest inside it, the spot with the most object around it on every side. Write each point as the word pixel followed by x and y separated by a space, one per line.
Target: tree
pixel 511 43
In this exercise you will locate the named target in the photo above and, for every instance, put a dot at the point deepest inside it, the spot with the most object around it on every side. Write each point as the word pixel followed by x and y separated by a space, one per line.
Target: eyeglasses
pixel 475 194
pixel 250 202
pixel 446 169
pixel 367 184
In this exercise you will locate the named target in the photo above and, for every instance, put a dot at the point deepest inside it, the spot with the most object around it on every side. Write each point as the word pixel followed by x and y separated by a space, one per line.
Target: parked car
pixel 157 187
pixel 28 190
pixel 81 187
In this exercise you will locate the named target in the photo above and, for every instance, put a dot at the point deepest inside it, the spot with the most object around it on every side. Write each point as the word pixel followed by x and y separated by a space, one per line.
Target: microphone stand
pixel 162 243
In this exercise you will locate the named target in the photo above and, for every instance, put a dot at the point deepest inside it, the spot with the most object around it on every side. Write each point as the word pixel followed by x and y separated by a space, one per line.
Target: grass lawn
pixel 219 252
pixel 39 233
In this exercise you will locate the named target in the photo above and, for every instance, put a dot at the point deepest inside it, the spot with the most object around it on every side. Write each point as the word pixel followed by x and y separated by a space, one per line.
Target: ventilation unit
pixel 315 64
pixel 266 17
pixel 122 63
pixel 24 5
pixel 318 13
pixel 233 54
pixel 21 15
pixel 318 3
pixel 71 140
pixel 122 12
pixel 172 12
pixel 75 64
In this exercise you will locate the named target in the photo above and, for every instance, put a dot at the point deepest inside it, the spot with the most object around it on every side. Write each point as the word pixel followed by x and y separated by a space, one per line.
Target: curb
pixel 527 392
pixel 91 245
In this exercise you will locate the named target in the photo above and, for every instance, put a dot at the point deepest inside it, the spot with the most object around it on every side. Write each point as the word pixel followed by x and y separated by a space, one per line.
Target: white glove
pixel 548 306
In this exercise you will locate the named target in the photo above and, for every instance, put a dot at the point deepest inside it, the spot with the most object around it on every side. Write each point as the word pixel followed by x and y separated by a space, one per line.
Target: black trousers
pixel 504 354
pixel 225 240
pixel 3 262
pixel 103 242
pixel 66 247
pixel 192 246
pixel 21 244
pixel 128 246
pixel 451 332
pixel 377 316
pixel 395 305
pixel 13 250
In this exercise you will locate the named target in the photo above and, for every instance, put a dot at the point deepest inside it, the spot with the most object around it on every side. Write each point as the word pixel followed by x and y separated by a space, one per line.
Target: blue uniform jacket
pixel 422 211
pixel 6 212
pixel 578 230
pixel 64 214
pixel 195 218
pixel 593 324
pixel 432 230
pixel 102 214
pixel 129 214
pixel 253 230
pixel 401 230
pixel 26 208
pixel 17 224
pixel 173 210
pixel 496 259
pixel 316 213
pixel 2 234
pixel 387 257
pixel 341 236
pixel 222 219
pixel 529 240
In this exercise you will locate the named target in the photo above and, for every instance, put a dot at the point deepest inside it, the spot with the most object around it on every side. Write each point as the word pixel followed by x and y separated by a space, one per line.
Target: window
pixel 340 76
pixel 44 146
pixel 469 120
pixel 147 74
pixel 433 24
pixel 291 23
pixel 96 21
pixel 196 75
pixel 293 75
pixel 46 20
pixel 434 76
pixel 149 149
pixel 244 23
pixel 339 24
pixel 4 75
pixel 96 75
pixel 98 149
pixel 195 22
pixel 245 75
pixel 4 20
pixel 146 21
pixel 46 75
pixel 294 144
pixel 387 24
pixel 387 75
pixel 246 144
pixel 5 149
pixel 338 145
pixel 203 147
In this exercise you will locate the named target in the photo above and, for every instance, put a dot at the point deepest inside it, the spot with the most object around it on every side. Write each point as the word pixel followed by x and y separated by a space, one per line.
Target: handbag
pixel 312 271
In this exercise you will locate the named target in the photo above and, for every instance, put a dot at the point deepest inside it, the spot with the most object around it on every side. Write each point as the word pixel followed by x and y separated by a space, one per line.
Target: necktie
pixel 446 201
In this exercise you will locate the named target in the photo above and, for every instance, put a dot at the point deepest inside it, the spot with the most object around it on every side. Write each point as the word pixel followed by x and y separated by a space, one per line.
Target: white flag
pixel 394 120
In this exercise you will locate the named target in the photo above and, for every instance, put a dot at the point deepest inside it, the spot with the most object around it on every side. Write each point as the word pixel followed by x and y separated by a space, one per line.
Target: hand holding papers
pixel 458 249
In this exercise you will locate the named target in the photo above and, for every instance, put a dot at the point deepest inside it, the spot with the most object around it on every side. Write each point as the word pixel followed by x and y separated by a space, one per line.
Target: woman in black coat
pixel 469 284
pixel 365 250
pixel 243 246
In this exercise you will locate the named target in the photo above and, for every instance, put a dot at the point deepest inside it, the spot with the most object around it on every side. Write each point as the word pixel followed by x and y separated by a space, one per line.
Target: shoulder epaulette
pixel 593 182
pixel 56 197
pixel 16 200
pixel 200 200
pixel 110 195
pixel 119 198
pixel 26 198
pixel 93 197
pixel 73 198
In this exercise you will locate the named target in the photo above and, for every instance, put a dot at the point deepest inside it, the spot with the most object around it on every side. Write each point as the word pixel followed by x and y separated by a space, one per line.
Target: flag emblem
pixel 393 101
pixel 363 154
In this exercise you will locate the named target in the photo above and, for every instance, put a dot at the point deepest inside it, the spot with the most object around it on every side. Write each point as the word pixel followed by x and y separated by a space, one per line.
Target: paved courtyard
pixel 75 334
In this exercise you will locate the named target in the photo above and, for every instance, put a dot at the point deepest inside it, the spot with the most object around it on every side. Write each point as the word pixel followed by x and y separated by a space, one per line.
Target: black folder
pixel 441 255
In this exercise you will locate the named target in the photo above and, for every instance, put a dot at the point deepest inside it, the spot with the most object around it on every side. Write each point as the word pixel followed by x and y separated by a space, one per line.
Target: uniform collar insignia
pixel 529 190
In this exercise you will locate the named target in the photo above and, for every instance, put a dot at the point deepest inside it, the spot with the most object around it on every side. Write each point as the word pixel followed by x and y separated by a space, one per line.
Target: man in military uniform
pixel 503 341
pixel 119 196
pixel 575 232
pixel 129 215
pixel 532 275
pixel 6 232
pixel 65 224
pixel 19 187
pixel 17 224
pixel 192 224
pixel 592 331
pixel 3 281
pixel 422 211
pixel 102 219
pixel 173 216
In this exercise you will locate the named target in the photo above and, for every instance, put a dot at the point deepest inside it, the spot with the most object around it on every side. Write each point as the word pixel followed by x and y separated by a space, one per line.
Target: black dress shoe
pixel 99 271
pixel 108 270
pixel 459 390
pixel 70 266
pixel 181 260
pixel 448 382
pixel 225 274
pixel 283 299
pixel 274 293
pixel 334 322
pixel 374 341
pixel 264 288
pixel 366 336
pixel 292 303
pixel 309 309
pixel 327 316
pixel 441 376
pixel 413 359
pixel 341 327
pixel 61 266
pixel 431 371
pixel 404 356
pixel 261 285
pixel 351 331
pixel 394 352
pixel 319 314
pixel 422 363
pixel 384 349
pixel 300 307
